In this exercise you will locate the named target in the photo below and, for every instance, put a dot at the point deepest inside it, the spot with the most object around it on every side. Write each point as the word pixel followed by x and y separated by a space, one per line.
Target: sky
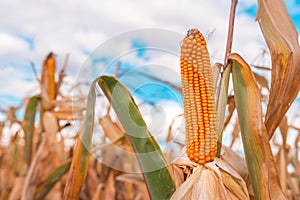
pixel 144 35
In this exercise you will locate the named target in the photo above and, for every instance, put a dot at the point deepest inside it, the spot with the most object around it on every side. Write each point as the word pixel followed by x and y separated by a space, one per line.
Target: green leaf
pixel 259 158
pixel 28 126
pixel 158 179
pixel 49 183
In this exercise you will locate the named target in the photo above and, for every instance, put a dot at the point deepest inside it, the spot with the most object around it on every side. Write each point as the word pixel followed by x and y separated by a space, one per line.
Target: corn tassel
pixel 199 103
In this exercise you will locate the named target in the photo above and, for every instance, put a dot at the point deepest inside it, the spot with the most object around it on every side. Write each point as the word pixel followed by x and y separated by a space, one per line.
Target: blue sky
pixel 28 31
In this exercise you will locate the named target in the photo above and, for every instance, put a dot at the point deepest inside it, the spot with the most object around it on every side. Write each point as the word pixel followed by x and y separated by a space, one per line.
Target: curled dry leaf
pixel 282 39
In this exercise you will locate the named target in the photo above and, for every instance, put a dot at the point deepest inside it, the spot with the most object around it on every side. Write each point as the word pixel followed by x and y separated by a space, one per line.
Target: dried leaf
pixel 281 163
pixel 231 108
pixel 110 129
pixel 283 126
pixel 110 190
pixel 235 132
pixel 235 161
pixel 184 192
pixel 17 189
pixel 32 175
pixel 131 178
pixel 293 184
pixel 232 180
pixel 282 39
pixel 261 80
pixel 216 176
pixel 81 158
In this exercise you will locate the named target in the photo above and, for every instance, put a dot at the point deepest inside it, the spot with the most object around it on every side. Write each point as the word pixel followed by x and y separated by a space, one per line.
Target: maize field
pixel 43 160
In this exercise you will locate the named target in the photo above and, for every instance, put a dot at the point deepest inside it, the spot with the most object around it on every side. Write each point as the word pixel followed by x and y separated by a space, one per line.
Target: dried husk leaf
pixel 216 176
pixel 235 161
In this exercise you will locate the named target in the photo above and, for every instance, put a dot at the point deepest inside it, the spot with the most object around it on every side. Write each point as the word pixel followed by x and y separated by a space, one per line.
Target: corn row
pixel 198 93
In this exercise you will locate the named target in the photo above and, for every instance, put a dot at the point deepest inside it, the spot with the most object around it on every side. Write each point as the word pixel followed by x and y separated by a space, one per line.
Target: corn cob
pixel 48 76
pixel 199 103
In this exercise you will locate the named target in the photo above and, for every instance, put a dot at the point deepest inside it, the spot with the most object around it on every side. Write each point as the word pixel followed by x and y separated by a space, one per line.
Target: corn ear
pixel 48 76
pixel 199 103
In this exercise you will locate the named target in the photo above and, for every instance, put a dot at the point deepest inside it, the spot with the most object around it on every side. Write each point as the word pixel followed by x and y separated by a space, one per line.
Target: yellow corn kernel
pixel 198 94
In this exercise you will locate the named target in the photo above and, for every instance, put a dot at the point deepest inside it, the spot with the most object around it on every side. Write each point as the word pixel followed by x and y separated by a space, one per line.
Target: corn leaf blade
pixel 159 182
pixel 259 158
pixel 53 178
pixel 28 126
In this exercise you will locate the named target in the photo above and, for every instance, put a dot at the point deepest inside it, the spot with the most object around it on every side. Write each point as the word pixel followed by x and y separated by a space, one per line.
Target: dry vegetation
pixel 39 164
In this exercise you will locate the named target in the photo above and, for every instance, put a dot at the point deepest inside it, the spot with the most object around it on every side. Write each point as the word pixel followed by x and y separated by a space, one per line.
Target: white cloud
pixel 12 47
pixel 78 27
pixel 14 84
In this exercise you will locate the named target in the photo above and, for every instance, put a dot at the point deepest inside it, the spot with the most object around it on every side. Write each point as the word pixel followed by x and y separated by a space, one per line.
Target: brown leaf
pixel 214 180
pixel 282 40
pixel 232 180
pixel 293 184
pixel 235 132
pixel 283 126
pixel 235 161
pixel 281 163
pixel 17 189
pixel 110 129
pixel 110 190
pixel 132 178
pixel 261 80
pixel 231 108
